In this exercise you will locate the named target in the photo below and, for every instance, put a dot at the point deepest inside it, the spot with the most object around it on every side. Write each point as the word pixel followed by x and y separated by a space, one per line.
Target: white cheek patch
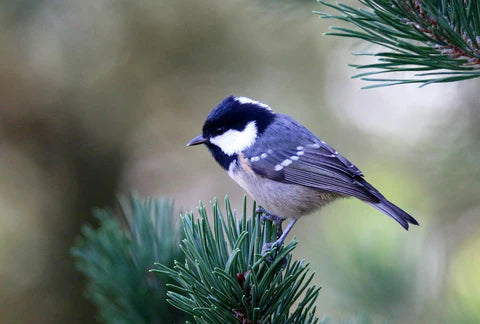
pixel 234 141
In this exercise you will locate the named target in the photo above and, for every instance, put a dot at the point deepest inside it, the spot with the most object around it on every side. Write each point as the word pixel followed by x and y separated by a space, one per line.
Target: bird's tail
pixel 385 206
pixel 395 212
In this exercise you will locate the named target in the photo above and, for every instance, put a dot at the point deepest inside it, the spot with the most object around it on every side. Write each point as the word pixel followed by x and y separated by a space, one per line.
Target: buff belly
pixel 281 199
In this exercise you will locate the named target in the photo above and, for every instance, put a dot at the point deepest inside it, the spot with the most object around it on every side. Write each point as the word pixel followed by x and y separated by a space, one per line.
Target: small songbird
pixel 282 165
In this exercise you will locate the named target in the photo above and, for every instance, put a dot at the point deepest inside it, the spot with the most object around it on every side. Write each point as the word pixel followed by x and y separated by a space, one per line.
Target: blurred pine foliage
pixel 116 259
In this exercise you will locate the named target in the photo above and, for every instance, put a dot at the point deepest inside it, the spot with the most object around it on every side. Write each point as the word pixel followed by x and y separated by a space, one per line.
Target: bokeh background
pixel 100 96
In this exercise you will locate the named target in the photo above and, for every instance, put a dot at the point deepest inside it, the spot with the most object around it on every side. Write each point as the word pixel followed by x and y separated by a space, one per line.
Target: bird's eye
pixel 219 130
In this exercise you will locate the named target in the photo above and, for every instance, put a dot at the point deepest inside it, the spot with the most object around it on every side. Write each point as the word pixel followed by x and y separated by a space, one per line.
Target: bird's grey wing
pixel 314 164
pixel 290 153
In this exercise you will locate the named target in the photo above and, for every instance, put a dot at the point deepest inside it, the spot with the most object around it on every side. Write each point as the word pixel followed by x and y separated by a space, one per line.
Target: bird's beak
pixel 197 140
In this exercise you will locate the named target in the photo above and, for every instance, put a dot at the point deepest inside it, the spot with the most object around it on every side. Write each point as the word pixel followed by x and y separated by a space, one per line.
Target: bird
pixel 284 166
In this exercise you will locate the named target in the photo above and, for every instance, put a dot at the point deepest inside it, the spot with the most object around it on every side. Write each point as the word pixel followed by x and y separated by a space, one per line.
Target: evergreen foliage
pixel 440 38
pixel 219 274
pixel 116 259
pixel 226 279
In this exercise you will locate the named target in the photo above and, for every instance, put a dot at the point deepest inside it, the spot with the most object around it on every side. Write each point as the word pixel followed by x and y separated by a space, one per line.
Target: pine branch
pixel 116 261
pixel 225 278
pixel 438 37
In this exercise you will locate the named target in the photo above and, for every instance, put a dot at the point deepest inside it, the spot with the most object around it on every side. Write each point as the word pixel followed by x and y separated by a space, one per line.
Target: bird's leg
pixel 268 246
pixel 277 220
pixel 282 238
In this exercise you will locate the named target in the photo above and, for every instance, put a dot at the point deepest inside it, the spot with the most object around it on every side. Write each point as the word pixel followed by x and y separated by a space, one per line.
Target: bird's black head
pixel 232 127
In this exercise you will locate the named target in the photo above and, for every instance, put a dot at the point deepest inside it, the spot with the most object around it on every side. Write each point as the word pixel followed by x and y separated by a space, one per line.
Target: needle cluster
pixel 116 258
pixel 438 38
pixel 202 271
pixel 226 279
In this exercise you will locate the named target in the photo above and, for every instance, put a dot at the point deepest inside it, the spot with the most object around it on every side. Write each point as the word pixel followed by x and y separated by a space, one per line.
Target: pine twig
pixel 225 278
pixel 438 37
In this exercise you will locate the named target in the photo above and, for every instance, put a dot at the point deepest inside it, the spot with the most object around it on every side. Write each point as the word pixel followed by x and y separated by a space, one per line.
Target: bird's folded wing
pixel 315 165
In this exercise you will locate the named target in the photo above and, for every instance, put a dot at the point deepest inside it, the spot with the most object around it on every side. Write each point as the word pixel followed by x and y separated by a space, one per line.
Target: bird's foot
pixel 267 247
pixel 279 242
pixel 277 220
pixel 270 258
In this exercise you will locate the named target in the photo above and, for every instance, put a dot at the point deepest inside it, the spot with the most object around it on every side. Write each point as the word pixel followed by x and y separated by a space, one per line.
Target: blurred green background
pixel 100 97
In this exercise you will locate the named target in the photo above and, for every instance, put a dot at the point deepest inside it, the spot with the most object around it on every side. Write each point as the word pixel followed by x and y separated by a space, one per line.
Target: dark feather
pixel 313 170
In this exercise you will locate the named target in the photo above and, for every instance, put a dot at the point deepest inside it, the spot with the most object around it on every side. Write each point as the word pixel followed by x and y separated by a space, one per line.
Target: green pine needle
pixel 116 258
pixel 442 36
pixel 225 278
